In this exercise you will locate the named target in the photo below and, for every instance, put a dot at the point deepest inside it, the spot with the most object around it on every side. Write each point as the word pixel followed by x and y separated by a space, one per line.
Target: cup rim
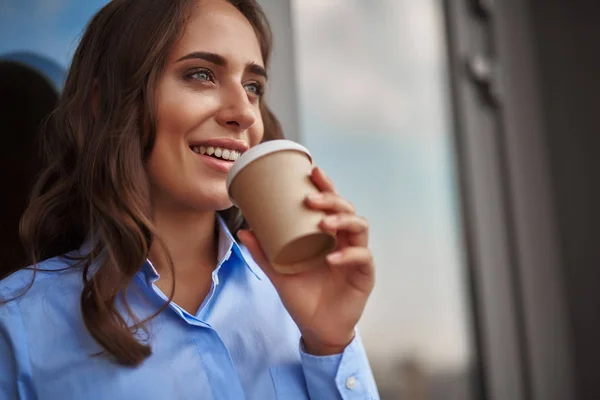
pixel 260 151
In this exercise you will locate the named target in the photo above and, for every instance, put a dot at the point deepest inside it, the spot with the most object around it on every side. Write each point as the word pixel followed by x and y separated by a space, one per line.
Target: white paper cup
pixel 269 183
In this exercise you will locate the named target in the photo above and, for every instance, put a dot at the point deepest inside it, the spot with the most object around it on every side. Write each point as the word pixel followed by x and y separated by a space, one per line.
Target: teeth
pixel 225 154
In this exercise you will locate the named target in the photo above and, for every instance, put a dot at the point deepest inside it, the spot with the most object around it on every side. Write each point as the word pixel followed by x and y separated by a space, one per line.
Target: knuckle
pixel 364 222
pixel 350 206
pixel 369 257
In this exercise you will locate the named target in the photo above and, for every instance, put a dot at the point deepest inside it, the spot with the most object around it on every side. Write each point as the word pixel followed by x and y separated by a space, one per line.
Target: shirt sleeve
pixel 12 379
pixel 8 370
pixel 344 376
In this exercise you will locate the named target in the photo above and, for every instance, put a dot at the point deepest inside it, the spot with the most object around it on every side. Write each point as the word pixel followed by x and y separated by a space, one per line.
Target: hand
pixel 327 301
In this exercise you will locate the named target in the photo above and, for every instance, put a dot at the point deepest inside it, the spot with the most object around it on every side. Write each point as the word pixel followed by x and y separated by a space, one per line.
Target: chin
pixel 206 196
pixel 224 206
pixel 211 202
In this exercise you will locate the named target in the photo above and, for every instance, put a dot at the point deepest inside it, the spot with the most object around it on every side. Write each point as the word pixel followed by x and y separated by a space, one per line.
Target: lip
pixel 227 143
pixel 215 163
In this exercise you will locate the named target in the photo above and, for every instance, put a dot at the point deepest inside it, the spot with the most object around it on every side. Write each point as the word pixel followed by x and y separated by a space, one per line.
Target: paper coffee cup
pixel 269 183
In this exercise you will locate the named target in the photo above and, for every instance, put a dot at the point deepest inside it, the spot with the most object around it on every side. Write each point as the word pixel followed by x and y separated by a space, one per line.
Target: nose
pixel 236 112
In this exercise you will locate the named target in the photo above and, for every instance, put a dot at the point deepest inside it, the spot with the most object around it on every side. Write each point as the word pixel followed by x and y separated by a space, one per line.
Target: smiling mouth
pixel 220 153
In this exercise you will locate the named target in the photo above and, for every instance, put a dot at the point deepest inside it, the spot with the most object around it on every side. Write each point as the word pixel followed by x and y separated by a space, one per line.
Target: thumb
pixel 249 240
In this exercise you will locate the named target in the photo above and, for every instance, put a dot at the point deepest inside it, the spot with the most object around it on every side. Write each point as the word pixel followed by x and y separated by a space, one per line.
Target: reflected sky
pixel 375 112
pixel 50 28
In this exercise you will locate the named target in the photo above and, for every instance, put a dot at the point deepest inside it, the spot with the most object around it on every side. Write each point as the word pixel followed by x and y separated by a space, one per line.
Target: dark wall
pixel 567 35
pixel 26 98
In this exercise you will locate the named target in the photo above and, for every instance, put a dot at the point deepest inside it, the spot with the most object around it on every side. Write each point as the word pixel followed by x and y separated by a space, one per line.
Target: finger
pixel 321 181
pixel 358 256
pixel 355 259
pixel 330 203
pixel 350 223
pixel 251 242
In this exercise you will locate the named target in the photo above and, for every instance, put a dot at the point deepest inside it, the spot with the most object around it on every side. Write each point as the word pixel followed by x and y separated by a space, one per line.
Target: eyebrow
pixel 219 60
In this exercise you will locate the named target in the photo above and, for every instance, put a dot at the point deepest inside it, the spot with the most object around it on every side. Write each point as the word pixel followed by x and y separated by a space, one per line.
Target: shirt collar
pixel 226 248
pixel 227 243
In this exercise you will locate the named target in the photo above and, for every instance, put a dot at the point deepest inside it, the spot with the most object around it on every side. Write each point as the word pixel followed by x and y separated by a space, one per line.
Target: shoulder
pixel 40 315
pixel 55 277
pixel 37 305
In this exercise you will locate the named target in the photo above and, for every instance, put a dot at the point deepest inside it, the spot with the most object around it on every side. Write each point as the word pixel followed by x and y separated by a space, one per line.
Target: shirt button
pixel 351 383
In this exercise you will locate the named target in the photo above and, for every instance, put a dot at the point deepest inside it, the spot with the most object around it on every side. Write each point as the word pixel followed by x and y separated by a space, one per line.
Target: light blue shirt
pixel 242 343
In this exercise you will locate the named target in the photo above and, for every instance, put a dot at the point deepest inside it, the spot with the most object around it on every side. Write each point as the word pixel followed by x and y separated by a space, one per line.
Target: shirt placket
pixel 218 365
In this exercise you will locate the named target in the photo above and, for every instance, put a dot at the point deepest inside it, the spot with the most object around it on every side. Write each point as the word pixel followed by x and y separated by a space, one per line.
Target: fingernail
pixel 334 257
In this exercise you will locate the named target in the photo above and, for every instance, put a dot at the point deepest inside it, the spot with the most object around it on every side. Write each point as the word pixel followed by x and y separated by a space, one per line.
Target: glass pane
pixel 46 29
pixel 374 110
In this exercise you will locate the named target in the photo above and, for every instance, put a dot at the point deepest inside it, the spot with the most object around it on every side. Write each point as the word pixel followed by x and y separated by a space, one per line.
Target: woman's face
pixel 207 109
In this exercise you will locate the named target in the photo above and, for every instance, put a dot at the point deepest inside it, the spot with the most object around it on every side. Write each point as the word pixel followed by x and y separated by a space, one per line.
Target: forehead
pixel 216 26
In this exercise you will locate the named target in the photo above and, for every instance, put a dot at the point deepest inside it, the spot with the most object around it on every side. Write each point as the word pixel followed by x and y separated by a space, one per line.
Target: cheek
pixel 257 133
pixel 176 116
pixel 180 110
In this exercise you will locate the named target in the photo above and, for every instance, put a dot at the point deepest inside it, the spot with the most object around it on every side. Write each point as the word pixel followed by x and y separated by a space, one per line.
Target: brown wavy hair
pixel 94 185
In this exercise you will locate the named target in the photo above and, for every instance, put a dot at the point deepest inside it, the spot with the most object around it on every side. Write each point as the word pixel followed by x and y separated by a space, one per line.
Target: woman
pixel 139 290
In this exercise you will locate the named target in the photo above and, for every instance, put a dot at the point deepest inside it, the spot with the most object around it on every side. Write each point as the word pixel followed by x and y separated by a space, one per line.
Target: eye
pixel 203 75
pixel 254 88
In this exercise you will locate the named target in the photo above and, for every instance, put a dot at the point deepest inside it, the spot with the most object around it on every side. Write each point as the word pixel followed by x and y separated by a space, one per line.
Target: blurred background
pixel 466 131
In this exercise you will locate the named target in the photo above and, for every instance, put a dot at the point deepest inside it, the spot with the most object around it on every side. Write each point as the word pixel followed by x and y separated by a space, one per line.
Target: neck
pixel 190 240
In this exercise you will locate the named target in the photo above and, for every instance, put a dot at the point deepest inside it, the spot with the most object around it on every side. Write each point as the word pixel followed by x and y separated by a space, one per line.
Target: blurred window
pixel 375 111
